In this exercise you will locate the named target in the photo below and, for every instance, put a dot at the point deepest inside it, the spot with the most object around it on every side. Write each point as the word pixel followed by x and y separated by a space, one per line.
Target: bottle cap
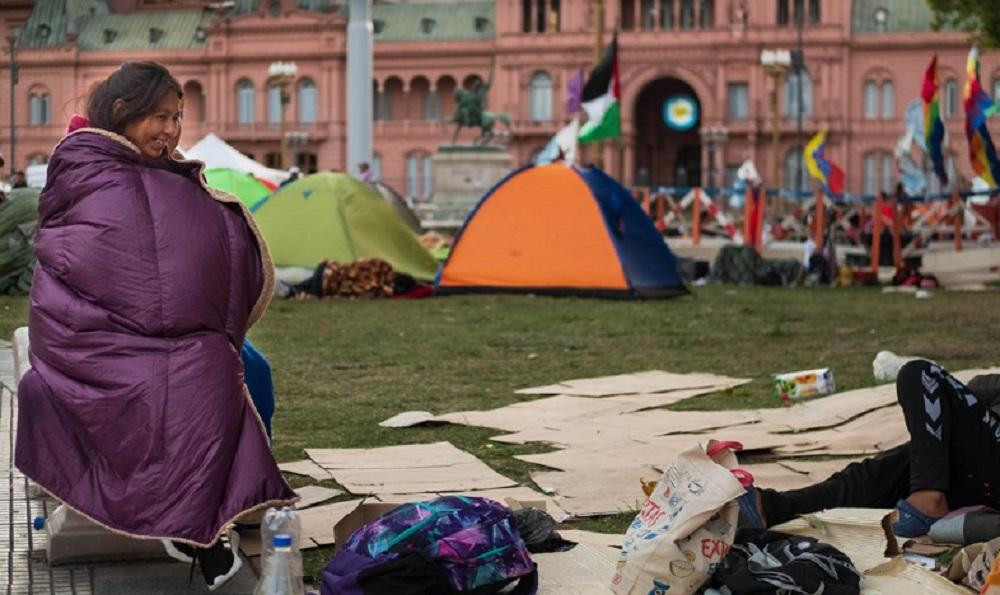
pixel 282 541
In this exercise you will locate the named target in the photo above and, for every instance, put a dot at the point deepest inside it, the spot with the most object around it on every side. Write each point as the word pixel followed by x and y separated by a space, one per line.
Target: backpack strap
pixel 527 584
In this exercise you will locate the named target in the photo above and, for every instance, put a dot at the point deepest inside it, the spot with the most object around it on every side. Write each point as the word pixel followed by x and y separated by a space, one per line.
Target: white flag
pixel 563 142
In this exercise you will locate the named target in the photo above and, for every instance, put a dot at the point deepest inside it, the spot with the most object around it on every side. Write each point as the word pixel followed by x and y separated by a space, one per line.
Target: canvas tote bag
pixel 687 525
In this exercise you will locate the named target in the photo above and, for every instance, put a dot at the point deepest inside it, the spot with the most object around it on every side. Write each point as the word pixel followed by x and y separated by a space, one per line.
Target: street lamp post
pixel 12 42
pixel 776 64
pixel 281 75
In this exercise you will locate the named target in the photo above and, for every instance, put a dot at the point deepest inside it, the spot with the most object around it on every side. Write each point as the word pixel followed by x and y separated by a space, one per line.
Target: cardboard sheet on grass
pixel 858 533
pixel 612 490
pixel 306 468
pixel 407 469
pixel 656 452
pixel 652 381
pixel 643 424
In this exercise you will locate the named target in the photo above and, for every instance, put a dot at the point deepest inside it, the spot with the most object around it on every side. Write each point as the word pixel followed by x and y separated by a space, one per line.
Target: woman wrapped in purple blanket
pixel 135 413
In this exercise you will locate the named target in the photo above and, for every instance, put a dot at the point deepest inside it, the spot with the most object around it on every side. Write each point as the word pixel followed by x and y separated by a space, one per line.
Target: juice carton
pixel 805 383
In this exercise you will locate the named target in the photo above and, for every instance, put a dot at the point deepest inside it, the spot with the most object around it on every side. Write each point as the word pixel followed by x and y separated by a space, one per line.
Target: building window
pixel 784 17
pixel 950 98
pixel 307 101
pixel 706 16
pixel 427 25
pixel 418 177
pixel 481 24
pixel 687 14
pixel 648 15
pixel 737 98
pixel 273 160
pixel 555 16
pixel 40 108
pixel 666 14
pixel 792 86
pixel 871 100
pixel 412 177
pixel 888 99
pixel 886 185
pixel 541 97
pixel 273 104
pixel 525 16
pixel 432 105
pixel 814 12
pixel 427 178
pixel 245 102
pixel 376 168
pixel 870 182
pixel 795 171
pixel 306 162
pixel 378 26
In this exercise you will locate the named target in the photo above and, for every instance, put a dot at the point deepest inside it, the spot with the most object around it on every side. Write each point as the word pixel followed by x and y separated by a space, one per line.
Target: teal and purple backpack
pixel 453 544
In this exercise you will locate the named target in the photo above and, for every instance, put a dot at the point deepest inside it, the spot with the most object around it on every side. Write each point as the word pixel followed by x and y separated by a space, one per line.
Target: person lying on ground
pixel 950 461
pixel 135 413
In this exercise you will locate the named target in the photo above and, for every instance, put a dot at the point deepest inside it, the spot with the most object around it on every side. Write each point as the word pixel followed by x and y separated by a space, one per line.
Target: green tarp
pixel 332 216
pixel 243 186
pixel 18 224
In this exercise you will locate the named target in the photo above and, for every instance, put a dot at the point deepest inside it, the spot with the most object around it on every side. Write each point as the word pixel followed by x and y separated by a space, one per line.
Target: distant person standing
pixel 19 180
pixel 366 173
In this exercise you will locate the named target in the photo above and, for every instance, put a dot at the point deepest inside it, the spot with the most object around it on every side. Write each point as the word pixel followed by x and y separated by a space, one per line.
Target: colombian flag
pixel 821 168
pixel 933 127
pixel 978 107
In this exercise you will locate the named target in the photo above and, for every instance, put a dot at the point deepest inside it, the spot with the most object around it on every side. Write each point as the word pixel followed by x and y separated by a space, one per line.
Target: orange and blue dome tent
pixel 562 230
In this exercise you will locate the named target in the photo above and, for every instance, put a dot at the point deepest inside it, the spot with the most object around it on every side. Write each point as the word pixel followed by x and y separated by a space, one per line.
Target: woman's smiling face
pixel 160 131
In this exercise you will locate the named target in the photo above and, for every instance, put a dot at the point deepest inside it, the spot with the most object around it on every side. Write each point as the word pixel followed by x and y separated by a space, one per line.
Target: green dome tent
pixel 18 224
pixel 247 188
pixel 332 216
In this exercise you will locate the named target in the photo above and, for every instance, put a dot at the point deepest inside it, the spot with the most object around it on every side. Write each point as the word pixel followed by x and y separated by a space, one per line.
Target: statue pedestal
pixel 462 175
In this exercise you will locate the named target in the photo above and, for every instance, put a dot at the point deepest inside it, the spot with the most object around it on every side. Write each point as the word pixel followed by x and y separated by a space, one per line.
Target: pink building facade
pixel 864 62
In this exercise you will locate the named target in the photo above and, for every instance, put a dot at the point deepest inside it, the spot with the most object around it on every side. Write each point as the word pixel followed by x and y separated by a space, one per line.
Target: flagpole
pixel 598 50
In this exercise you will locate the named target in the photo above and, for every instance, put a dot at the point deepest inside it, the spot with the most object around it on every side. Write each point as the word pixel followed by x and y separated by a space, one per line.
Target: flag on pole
pixel 574 90
pixel 978 107
pixel 562 145
pixel 933 127
pixel 913 121
pixel 601 98
pixel 913 178
pixel 821 168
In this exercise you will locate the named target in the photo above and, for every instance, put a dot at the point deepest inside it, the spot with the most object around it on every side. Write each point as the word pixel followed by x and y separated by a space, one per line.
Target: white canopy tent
pixel 216 152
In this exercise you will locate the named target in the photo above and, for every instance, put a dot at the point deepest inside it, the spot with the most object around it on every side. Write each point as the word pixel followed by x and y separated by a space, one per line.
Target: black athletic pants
pixel 954 448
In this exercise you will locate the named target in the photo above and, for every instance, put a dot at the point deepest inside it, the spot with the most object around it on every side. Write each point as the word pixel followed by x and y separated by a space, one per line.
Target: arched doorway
pixel 667 154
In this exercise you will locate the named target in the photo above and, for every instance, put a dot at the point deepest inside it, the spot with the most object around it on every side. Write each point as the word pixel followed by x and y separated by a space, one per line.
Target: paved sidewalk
pixel 23 567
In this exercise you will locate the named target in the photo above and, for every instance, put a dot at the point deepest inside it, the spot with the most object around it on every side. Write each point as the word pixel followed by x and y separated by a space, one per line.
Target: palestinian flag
pixel 601 99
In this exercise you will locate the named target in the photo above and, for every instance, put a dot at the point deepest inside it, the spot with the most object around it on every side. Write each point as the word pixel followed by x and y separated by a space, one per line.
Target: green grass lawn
pixel 340 367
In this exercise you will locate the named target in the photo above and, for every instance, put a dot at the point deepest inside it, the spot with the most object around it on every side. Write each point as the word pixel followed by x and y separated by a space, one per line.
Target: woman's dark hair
pixel 140 85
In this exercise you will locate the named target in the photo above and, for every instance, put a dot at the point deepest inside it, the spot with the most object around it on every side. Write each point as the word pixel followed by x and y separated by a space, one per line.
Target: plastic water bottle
pixel 280 576
pixel 281 521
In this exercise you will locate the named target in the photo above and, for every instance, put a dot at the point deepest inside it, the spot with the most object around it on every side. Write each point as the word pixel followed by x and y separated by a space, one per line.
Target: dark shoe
pixel 220 562
pixel 179 551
